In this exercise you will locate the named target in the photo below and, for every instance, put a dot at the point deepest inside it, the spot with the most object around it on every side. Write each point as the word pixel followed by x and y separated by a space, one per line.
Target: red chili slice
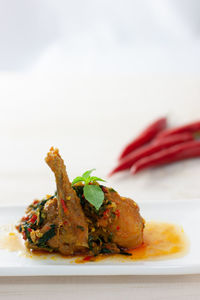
pixel 104 189
pixel 24 235
pixel 117 213
pixel 35 201
pixel 105 213
pixel 25 218
pixel 87 258
pixel 33 219
pixel 65 209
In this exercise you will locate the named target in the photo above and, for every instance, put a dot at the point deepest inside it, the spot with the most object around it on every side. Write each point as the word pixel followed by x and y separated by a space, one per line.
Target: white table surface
pixel 90 119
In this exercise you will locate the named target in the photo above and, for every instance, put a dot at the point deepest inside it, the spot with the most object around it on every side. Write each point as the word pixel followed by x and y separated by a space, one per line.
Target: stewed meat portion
pixel 127 226
pixel 70 238
pixel 67 223
pixel 116 227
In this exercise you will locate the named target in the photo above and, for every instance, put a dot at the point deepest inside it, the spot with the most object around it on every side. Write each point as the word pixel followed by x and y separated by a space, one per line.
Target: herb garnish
pixel 40 207
pixel 92 192
pixel 80 227
pixel 26 226
pixel 47 236
pixel 125 253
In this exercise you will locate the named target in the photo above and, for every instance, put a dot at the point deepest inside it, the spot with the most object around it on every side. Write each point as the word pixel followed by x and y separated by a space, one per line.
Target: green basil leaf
pixel 47 236
pixel 87 173
pixel 77 179
pixel 94 195
pixel 94 178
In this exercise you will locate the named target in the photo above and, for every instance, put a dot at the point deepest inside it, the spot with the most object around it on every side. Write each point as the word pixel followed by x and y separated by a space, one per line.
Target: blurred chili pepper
pixel 146 136
pixel 150 149
pixel 191 127
pixel 172 154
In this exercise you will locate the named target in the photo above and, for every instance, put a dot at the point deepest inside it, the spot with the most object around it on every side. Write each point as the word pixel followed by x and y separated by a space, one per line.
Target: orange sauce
pixel 161 241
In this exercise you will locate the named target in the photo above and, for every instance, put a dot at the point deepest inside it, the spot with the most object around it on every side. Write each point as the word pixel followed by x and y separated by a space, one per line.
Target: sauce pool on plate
pixel 161 241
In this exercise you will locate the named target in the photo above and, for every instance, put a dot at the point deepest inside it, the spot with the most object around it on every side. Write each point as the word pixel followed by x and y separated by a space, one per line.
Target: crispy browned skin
pixel 70 238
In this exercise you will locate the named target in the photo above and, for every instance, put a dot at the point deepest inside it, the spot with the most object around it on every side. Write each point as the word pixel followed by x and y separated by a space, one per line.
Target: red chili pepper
pixel 104 189
pixel 35 201
pixel 105 213
pixel 29 229
pixel 150 149
pixel 146 136
pixel 65 209
pixel 192 128
pixel 33 219
pixel 118 228
pixel 87 258
pixel 117 212
pixel 25 218
pixel 175 153
pixel 24 235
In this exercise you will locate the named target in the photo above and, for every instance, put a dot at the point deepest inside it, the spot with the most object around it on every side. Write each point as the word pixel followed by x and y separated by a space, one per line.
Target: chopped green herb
pixel 47 236
pixel 113 215
pixel 112 190
pixel 80 227
pixel 90 241
pixel 26 226
pixel 40 207
pixel 125 253
pixel 110 237
pixel 106 251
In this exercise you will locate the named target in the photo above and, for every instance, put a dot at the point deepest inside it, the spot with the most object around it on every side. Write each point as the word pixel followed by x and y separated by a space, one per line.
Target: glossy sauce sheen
pixel 161 241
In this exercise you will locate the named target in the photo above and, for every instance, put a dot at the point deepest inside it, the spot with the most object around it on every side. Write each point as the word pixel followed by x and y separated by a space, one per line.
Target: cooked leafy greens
pixel 42 242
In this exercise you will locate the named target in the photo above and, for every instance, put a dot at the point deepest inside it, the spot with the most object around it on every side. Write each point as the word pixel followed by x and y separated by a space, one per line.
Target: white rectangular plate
pixel 185 213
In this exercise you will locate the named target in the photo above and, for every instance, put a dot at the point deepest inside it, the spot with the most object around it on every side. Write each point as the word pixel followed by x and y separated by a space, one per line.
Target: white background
pixel 86 76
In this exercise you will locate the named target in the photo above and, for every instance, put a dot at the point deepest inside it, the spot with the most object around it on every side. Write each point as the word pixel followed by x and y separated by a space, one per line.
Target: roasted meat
pixel 69 224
